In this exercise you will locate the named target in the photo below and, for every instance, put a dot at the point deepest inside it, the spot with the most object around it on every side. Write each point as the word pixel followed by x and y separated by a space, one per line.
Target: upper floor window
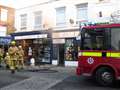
pixel 23 21
pixel 60 17
pixel 100 14
pixel 103 1
pixel 53 0
pixel 37 20
pixel 4 15
pixel 82 11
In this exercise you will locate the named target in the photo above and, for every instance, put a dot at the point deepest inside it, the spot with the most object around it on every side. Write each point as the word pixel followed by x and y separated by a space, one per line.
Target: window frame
pixel 23 18
pixel 4 14
pixel 103 1
pixel 61 23
pixel 37 16
pixel 79 8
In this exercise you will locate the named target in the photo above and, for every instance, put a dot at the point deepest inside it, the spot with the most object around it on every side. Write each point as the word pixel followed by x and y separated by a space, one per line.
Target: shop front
pixel 65 48
pixel 36 44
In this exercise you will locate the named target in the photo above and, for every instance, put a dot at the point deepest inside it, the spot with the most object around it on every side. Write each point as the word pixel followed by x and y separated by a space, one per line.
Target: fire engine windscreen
pixel 100 39
pixel 115 39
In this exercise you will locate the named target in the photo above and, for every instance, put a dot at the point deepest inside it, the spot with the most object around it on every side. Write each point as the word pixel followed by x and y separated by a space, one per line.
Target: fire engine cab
pixel 99 54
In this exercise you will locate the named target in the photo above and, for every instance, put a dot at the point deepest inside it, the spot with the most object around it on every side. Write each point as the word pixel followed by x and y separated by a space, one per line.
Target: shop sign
pixel 65 34
pixel 58 41
pixel 31 36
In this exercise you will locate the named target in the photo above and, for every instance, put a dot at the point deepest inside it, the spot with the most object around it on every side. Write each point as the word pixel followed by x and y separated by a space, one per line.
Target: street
pixel 6 78
pixel 55 78
pixel 80 83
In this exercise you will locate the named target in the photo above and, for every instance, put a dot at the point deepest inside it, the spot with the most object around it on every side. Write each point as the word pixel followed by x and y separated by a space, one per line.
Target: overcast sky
pixel 19 3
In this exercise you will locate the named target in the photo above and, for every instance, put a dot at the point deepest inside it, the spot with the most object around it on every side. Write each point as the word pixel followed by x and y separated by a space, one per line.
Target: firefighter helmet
pixel 13 43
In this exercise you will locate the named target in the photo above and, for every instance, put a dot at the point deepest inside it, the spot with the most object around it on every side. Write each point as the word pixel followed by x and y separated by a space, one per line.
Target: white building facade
pixel 62 18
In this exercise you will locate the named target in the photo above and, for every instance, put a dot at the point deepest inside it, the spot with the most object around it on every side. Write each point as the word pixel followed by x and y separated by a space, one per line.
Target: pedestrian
pixel 20 56
pixel 13 52
pixel 30 54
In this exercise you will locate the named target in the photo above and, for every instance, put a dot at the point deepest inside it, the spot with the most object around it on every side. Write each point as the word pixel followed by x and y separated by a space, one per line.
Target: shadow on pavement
pixel 42 70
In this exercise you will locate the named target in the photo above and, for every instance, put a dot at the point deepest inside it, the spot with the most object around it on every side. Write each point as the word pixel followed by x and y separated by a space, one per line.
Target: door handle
pixel 104 54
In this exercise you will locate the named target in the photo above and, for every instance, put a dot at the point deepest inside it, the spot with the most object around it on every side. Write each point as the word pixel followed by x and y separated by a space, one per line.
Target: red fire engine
pixel 99 54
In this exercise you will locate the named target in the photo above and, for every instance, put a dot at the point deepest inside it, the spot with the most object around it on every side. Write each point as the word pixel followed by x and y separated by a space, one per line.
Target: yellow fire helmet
pixel 13 42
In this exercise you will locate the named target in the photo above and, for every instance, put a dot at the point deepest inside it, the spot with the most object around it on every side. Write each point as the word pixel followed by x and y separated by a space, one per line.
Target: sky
pixel 20 3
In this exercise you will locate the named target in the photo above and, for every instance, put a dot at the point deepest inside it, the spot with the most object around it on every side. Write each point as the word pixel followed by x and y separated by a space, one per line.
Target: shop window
pixel 70 51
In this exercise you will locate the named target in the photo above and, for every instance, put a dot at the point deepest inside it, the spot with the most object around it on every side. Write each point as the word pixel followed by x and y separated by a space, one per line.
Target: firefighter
pixel 13 52
pixel 7 60
pixel 20 56
pixel 1 55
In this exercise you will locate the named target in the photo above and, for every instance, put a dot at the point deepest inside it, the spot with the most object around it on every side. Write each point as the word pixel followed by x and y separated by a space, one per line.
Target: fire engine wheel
pixel 105 76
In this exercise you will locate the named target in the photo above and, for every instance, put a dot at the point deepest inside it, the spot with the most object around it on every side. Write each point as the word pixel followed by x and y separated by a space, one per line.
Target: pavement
pixel 41 77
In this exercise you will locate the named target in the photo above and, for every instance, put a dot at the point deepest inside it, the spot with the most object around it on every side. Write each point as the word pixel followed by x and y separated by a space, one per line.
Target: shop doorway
pixel 61 55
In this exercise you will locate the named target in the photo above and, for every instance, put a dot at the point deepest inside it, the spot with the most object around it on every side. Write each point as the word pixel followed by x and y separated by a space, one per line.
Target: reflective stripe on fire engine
pixel 97 54
pixel 115 54
pixel 108 54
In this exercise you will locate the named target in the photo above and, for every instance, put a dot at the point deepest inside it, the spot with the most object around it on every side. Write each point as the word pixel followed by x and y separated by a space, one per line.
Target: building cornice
pixel 50 1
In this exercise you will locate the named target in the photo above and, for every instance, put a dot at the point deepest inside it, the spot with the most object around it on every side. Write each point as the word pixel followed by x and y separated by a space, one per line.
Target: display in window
pixel 69 50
